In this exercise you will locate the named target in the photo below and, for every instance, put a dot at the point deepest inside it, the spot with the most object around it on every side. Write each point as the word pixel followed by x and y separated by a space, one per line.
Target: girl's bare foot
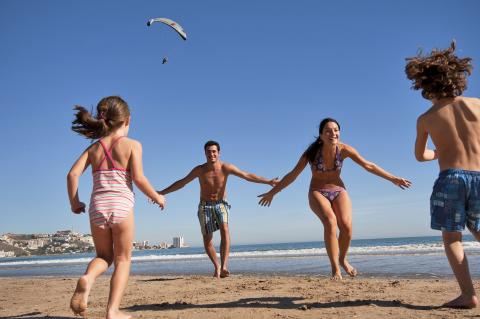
pixel 352 272
pixel 79 300
pixel 117 314
pixel 463 302
pixel 216 274
pixel 224 273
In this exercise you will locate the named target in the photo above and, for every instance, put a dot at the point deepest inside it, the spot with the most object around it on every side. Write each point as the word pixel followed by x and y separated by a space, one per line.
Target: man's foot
pixel 352 272
pixel 224 273
pixel 462 302
pixel 117 314
pixel 79 300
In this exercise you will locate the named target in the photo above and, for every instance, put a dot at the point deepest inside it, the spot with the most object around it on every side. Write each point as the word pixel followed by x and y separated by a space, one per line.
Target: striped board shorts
pixel 211 214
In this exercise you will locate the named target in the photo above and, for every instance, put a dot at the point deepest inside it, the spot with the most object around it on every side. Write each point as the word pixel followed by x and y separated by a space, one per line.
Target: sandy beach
pixel 240 296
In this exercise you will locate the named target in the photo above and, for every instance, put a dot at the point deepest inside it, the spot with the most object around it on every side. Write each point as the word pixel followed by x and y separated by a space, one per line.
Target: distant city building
pixel 178 242
pixel 4 254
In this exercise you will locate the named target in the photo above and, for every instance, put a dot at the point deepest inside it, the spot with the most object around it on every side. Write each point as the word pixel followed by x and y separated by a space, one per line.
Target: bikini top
pixel 318 165
pixel 108 154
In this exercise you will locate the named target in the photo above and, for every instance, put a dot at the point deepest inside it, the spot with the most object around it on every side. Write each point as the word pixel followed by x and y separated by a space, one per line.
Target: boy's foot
pixel 117 315
pixel 224 273
pixel 79 300
pixel 352 272
pixel 462 302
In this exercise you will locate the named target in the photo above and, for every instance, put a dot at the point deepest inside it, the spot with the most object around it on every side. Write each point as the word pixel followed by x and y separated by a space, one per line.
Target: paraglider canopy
pixel 175 26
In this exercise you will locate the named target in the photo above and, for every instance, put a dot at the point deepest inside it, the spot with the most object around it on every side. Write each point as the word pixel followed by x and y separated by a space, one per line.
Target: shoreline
pixel 239 296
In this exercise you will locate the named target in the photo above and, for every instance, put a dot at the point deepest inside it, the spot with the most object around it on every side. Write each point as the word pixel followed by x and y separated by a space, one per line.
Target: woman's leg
pixel 322 208
pixel 102 239
pixel 342 207
pixel 122 234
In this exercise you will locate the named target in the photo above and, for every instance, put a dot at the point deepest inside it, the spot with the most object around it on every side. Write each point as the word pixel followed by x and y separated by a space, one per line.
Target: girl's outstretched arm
pixel 73 176
pixel 140 180
pixel 375 169
pixel 266 198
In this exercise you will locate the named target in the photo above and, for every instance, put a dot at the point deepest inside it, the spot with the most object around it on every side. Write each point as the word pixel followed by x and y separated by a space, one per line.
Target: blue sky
pixel 258 76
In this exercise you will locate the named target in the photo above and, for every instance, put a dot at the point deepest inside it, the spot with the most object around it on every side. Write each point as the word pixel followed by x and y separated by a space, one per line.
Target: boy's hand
pixel 78 207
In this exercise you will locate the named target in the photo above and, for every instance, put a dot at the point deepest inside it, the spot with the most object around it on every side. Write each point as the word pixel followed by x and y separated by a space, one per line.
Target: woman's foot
pixel 117 314
pixel 224 273
pixel 336 275
pixel 79 300
pixel 463 302
pixel 352 272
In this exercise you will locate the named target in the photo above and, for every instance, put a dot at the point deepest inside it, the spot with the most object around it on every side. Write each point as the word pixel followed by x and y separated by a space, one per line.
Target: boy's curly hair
pixel 439 75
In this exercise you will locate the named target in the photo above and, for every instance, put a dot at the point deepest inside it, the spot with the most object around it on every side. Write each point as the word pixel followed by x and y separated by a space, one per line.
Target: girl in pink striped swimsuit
pixel 116 162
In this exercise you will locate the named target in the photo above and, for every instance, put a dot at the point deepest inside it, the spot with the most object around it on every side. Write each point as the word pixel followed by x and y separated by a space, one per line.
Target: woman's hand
pixel 266 199
pixel 401 182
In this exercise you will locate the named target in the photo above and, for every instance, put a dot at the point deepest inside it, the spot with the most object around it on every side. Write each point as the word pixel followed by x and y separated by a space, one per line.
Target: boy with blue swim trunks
pixel 453 124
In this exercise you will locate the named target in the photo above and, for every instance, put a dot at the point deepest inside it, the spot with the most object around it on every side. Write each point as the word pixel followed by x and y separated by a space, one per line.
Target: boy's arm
pixel 73 176
pixel 194 173
pixel 422 153
pixel 232 169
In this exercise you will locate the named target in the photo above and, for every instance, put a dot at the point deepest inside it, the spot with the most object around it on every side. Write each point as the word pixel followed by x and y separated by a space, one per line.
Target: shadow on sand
pixel 35 315
pixel 279 303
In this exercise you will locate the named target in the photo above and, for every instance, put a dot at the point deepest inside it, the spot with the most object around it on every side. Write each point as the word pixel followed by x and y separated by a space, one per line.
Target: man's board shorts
pixel 211 214
pixel 455 201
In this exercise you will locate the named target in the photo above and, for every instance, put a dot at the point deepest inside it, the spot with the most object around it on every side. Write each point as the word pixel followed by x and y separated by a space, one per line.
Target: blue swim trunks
pixel 455 201
pixel 211 214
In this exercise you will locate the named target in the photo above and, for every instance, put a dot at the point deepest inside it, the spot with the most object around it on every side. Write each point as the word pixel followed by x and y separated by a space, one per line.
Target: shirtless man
pixel 213 207
pixel 453 124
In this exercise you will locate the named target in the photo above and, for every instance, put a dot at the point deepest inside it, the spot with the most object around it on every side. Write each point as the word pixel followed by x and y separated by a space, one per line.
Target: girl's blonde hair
pixel 112 112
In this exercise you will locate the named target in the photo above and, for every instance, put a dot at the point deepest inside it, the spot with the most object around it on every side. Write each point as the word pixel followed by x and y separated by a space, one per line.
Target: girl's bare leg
pixel 102 239
pixel 122 234
pixel 322 208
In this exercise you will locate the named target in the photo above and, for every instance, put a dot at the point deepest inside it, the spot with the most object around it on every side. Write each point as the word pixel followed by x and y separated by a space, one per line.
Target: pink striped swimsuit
pixel 112 195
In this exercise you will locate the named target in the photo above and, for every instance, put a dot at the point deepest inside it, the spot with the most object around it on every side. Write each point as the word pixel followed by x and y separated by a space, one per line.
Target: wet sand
pixel 239 297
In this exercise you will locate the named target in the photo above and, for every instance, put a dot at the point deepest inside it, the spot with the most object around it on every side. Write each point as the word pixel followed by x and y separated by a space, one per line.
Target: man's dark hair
pixel 211 143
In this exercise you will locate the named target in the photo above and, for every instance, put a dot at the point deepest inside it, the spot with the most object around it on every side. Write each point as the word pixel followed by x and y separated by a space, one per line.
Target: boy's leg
pixel 224 249
pixel 102 239
pixel 458 261
pixel 211 252
pixel 122 234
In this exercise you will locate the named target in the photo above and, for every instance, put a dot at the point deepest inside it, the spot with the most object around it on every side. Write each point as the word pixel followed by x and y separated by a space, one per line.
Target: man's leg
pixel 212 254
pixel 458 261
pixel 224 250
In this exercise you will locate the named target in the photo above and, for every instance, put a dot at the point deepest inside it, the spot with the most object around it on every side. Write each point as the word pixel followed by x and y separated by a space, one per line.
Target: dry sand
pixel 240 296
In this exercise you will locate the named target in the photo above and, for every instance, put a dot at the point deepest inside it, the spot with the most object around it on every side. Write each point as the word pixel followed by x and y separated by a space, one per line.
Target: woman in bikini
pixel 327 196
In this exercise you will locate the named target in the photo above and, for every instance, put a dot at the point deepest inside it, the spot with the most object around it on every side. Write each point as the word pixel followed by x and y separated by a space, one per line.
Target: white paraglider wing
pixel 175 26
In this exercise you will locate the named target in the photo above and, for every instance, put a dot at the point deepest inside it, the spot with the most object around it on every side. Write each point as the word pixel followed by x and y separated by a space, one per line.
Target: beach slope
pixel 239 297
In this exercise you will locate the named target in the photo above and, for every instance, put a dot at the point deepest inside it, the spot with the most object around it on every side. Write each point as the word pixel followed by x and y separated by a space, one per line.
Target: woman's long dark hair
pixel 313 149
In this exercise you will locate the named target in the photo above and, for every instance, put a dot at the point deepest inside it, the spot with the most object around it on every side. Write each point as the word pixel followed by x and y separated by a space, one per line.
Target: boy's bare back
pixel 454 127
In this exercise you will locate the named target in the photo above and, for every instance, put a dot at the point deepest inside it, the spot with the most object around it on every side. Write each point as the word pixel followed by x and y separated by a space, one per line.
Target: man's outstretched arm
pixel 194 173
pixel 232 169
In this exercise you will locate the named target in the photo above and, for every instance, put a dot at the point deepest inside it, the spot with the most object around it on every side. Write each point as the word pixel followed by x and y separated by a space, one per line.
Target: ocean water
pixel 393 257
